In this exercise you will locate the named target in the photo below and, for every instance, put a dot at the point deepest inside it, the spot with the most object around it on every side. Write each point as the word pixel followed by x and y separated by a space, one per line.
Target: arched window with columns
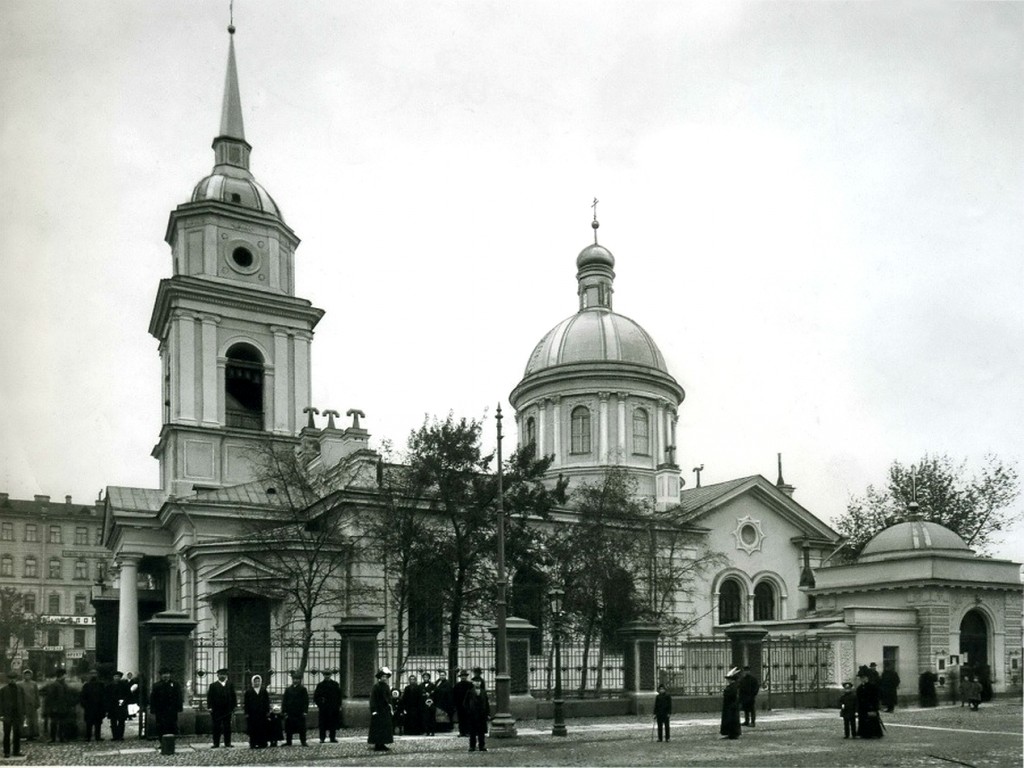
pixel 641 432
pixel 580 430
pixel 764 601
pixel 730 601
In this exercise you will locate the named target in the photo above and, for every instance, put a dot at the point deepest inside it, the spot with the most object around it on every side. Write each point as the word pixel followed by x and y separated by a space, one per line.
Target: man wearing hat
pixel 222 701
pixel 12 710
pixel 444 700
pixel 381 723
pixel 94 706
pixel 57 706
pixel 459 691
pixel 848 711
pixel 165 702
pixel 294 706
pixel 30 689
pixel 327 697
pixel 118 693
pixel 731 706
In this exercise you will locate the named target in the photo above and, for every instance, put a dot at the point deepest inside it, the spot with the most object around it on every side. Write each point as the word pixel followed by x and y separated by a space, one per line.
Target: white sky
pixel 815 210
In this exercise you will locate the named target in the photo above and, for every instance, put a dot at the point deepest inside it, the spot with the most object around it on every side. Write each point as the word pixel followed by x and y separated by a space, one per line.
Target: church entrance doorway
pixel 248 639
pixel 974 638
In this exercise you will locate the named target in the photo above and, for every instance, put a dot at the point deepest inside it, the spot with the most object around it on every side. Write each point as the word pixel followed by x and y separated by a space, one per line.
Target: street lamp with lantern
pixel 556 596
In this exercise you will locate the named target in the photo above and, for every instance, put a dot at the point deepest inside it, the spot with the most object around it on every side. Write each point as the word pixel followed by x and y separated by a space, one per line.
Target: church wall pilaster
pixel 602 434
pixel 186 326
pixel 210 411
pixel 620 438
pixel 542 425
pixel 556 425
pixel 301 392
pixel 280 390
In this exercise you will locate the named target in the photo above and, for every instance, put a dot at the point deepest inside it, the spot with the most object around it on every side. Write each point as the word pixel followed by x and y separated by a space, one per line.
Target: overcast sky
pixel 815 209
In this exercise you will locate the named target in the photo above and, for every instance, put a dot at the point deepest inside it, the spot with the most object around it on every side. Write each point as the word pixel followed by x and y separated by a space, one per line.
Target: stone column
pixel 556 424
pixel 640 678
pixel 602 439
pixel 542 412
pixel 359 664
pixel 128 613
pixel 620 438
pixel 517 632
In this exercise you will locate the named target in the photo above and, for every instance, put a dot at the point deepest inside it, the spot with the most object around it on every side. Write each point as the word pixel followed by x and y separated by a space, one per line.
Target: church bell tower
pixel 234 339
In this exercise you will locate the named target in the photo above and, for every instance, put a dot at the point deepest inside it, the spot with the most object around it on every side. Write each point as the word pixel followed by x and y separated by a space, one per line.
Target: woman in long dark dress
pixel 731 728
pixel 869 721
pixel 412 706
pixel 381 724
pixel 257 713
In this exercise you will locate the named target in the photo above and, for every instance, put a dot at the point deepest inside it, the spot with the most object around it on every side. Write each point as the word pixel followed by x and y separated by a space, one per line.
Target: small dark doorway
pixel 974 638
pixel 248 640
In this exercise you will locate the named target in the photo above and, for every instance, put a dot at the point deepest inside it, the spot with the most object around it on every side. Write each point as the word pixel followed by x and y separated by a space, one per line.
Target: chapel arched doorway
pixel 974 638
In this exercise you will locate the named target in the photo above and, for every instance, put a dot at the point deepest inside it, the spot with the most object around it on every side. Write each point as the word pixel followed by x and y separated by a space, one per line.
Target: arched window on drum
pixel 243 387
pixel 580 418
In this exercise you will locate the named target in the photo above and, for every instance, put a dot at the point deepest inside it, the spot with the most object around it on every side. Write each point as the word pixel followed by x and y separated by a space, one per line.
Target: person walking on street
pixel 294 706
pixel 749 686
pixel 972 692
pixel 382 730
pixel 327 697
pixel 869 721
pixel 94 705
pixel 222 701
pixel 57 706
pixel 730 728
pixel 848 711
pixel 12 710
pixel 30 689
pixel 165 702
pixel 459 691
pixel 118 695
pixel 888 683
pixel 257 712
pixel 663 711
pixel 478 713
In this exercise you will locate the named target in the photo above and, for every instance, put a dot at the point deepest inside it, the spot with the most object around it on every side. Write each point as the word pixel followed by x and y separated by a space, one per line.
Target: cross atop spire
pixel 595 224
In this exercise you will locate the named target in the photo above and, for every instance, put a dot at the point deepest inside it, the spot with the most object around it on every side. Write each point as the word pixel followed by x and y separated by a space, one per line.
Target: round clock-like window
pixel 748 534
pixel 242 257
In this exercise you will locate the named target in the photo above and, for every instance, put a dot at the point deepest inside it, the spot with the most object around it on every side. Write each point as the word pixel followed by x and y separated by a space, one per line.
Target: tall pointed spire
pixel 230 146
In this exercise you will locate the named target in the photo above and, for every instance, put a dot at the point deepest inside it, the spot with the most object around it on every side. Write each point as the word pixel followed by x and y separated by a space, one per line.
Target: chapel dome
pixel 595 254
pixel 236 189
pixel 921 536
pixel 596 335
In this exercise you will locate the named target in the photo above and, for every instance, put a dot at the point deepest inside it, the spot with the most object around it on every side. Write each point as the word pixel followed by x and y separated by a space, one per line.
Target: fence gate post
pixel 358 667
pixel 517 632
pixel 747 641
pixel 639 678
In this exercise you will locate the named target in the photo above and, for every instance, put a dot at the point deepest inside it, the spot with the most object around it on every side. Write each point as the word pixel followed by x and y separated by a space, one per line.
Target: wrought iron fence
pixel 693 666
pixel 795 665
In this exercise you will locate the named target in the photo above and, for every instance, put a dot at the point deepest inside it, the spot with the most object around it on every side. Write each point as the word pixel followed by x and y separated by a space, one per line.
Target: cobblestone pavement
pixel 945 736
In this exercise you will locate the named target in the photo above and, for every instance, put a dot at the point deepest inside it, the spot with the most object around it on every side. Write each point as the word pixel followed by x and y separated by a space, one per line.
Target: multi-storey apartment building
pixel 52 554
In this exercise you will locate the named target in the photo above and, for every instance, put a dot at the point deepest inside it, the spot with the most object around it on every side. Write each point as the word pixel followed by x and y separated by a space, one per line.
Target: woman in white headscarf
pixel 257 712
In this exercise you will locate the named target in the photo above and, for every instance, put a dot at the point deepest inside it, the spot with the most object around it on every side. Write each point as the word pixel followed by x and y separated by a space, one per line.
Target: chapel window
pixel 580 434
pixel 243 387
pixel 641 432
pixel 764 602
pixel 730 602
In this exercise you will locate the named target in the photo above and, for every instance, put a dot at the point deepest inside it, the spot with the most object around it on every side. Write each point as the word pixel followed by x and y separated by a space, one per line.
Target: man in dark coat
pixel 222 701
pixel 429 705
pixel 165 702
pixel 730 728
pixel 926 689
pixel 58 706
pixel 749 686
pixel 459 691
pixel 887 685
pixel 327 697
pixel 444 700
pixel 478 712
pixel 294 706
pixel 257 713
pixel 12 710
pixel 412 705
pixel 118 693
pixel 94 705
pixel 663 712
pixel 869 721
pixel 382 730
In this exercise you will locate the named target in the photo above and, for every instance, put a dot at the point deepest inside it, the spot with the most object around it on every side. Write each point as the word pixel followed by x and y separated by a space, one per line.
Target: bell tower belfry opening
pixel 235 341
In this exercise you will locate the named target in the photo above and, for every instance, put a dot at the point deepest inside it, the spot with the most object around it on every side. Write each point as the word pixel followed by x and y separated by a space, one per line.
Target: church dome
pixel 595 255
pixel 235 190
pixel 913 536
pixel 596 335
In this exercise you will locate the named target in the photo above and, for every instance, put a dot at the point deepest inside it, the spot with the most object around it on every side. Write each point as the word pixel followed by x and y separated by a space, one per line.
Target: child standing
pixel 848 711
pixel 662 710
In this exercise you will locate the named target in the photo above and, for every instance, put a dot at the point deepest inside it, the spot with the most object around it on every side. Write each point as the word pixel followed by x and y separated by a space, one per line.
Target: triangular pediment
pixel 243 570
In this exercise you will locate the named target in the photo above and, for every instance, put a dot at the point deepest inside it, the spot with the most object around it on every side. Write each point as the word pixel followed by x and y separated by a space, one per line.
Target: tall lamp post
pixel 556 596
pixel 502 724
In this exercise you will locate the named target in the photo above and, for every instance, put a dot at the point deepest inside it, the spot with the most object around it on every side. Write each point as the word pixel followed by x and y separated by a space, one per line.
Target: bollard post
pixel 167 744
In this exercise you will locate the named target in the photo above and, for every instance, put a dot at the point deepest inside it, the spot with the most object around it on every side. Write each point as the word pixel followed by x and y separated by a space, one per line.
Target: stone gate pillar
pixel 640 678
pixel 842 666
pixel 169 643
pixel 358 667
pixel 521 702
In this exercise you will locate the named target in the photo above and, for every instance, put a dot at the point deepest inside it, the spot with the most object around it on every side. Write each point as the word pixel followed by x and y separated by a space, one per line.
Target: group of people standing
pixel 414 710
pixel 860 709
pixel 23 700
pixel 740 695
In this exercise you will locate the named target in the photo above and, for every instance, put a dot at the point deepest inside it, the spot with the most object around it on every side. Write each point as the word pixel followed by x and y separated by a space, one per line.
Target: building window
pixel 53 637
pixel 99 537
pixel 7 531
pixel 54 535
pixel 80 609
pixel 890 658
pixel 31 568
pixel 30 602
pixel 243 387
pixel 6 566
pixel 580 420
pixel 531 434
pixel 54 571
pixel 79 638
pixel 31 532
pixel 730 602
pixel 53 607
pixel 81 537
pixel 764 602
pixel 81 569
pixel 641 432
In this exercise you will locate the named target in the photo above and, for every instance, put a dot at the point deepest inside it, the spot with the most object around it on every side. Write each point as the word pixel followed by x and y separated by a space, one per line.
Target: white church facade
pixel 236 348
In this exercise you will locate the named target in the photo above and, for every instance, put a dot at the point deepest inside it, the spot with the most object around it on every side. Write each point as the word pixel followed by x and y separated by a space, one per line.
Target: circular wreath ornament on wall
pixel 749 535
